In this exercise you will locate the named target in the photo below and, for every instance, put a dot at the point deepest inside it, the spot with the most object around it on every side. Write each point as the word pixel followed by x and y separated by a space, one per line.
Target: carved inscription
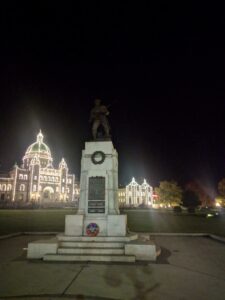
pixel 96 189
pixel 96 195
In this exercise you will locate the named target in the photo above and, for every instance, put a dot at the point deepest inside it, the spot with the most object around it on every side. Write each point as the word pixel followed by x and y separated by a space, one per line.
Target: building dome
pixel 40 150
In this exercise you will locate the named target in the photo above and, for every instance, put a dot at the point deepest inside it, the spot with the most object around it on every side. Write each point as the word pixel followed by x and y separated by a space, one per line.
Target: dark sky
pixel 160 66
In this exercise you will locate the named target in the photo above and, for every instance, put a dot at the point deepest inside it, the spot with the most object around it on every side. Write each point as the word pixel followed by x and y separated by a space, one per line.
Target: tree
pixel 220 200
pixel 169 193
pixel 221 187
pixel 191 199
pixel 204 193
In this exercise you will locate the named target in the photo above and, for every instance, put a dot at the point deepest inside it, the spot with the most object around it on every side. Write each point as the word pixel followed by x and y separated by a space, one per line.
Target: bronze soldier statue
pixel 98 117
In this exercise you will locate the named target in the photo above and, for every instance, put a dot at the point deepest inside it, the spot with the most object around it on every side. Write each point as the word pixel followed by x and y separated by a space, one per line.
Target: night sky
pixel 161 67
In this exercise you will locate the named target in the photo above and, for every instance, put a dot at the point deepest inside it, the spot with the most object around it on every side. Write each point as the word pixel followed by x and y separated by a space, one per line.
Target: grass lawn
pixel 33 220
pixel 138 220
pixel 155 221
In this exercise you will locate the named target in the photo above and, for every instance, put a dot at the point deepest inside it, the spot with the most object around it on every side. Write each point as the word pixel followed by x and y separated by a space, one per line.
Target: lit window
pixel 68 190
pixel 25 177
pixel 40 188
pixel 57 189
pixel 20 176
pixel 35 177
pixel 9 187
pixel 63 180
pixel 22 187
pixel 63 190
pixel 34 188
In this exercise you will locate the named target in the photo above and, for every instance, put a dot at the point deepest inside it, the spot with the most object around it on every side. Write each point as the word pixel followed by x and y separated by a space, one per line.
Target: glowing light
pixel 210 215
pixel 218 204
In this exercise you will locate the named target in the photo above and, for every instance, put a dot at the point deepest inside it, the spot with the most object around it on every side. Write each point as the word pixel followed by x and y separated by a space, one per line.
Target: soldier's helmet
pixel 97 101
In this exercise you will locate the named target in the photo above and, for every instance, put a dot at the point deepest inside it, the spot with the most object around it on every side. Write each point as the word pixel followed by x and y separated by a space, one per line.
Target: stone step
pixel 91 251
pixel 105 258
pixel 92 244
pixel 66 238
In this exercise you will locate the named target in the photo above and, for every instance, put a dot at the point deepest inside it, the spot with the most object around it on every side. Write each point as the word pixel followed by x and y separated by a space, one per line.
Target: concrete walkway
pixel 188 268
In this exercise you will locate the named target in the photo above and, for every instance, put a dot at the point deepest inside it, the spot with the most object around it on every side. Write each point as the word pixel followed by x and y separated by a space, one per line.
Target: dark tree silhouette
pixel 190 199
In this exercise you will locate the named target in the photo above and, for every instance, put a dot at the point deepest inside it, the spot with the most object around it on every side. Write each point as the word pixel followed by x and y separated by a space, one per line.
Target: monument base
pixel 107 248
pixel 110 225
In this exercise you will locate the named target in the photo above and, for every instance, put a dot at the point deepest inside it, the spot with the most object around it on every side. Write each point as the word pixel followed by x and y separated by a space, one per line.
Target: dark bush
pixel 177 209
pixel 191 210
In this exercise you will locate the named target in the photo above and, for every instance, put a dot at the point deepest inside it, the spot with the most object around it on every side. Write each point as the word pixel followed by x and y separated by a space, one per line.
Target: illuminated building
pixel 36 180
pixel 135 194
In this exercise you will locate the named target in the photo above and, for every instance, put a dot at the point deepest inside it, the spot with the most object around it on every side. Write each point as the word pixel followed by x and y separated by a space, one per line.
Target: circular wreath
pixel 92 229
pixel 93 157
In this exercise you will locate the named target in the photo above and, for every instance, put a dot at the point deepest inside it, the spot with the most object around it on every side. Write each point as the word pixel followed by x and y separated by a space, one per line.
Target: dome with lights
pixel 38 150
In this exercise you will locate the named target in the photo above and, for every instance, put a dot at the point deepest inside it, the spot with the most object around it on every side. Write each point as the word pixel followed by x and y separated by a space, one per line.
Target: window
pixel 25 176
pixel 22 187
pixel 63 190
pixel 20 176
pixel 34 188
pixel 68 190
pixel 57 189
pixel 40 188
pixel 63 180
pixel 9 187
pixel 35 177
pixel 4 187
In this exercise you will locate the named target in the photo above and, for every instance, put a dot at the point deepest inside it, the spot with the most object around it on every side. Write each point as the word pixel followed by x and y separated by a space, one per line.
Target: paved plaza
pixel 188 268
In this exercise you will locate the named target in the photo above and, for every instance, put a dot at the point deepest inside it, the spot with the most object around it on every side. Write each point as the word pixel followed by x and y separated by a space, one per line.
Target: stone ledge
pixel 127 238
pixel 38 249
pixel 141 250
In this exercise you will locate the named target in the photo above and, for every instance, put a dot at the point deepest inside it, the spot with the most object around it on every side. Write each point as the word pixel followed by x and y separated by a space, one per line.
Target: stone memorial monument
pixel 98 232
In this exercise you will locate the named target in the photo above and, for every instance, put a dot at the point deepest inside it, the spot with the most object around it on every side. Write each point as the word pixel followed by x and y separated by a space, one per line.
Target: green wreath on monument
pixel 95 157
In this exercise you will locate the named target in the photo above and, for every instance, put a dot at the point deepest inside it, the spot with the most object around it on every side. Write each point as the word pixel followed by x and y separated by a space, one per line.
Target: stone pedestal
pixel 97 232
pixel 74 225
pixel 99 189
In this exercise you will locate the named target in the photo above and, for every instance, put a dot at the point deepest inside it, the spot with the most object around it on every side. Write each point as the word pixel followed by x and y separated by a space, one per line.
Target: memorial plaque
pixel 96 203
pixel 96 190
pixel 96 210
